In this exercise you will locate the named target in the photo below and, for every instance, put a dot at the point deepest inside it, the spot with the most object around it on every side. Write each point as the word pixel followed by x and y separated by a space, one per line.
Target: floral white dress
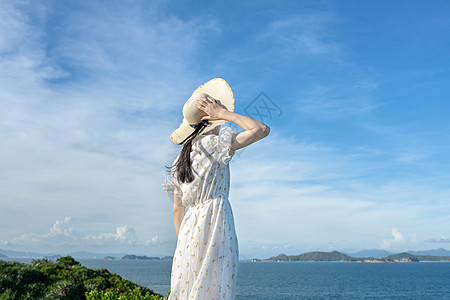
pixel 206 258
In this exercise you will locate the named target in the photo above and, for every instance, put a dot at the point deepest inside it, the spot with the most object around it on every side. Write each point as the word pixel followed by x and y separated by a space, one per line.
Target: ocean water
pixel 306 280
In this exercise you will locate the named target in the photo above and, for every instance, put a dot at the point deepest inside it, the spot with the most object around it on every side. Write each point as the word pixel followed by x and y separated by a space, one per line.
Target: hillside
pixel 404 255
pixel 66 279
pixel 314 256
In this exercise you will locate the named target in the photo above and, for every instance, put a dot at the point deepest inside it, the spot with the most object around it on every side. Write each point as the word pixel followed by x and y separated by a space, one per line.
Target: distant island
pixel 110 258
pixel 136 257
pixel 336 256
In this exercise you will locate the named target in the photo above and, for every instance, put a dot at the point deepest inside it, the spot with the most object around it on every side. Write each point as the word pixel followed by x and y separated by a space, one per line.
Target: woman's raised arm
pixel 254 129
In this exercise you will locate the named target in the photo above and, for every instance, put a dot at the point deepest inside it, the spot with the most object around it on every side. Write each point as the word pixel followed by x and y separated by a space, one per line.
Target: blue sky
pixel 357 157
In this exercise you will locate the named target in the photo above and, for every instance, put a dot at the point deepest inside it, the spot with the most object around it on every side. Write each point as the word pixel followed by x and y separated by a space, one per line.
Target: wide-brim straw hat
pixel 218 89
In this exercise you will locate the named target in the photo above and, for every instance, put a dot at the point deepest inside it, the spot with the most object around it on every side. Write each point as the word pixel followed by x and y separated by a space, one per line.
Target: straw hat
pixel 218 89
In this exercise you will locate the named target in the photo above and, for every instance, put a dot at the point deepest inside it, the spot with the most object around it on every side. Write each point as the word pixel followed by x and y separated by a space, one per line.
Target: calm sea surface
pixel 306 280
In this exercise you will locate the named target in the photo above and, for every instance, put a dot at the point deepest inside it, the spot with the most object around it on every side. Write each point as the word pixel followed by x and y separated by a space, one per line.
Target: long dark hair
pixel 183 164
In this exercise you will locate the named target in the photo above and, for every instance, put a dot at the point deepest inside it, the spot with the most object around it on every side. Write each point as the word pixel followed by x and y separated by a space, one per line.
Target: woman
pixel 206 257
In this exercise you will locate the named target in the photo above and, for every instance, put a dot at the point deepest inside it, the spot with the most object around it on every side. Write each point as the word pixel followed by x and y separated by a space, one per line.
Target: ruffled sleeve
pixel 171 184
pixel 222 144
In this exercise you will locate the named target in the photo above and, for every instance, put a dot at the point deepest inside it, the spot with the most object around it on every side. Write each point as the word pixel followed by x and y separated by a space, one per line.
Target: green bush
pixel 67 261
pixel 134 294
pixel 64 289
pixel 66 279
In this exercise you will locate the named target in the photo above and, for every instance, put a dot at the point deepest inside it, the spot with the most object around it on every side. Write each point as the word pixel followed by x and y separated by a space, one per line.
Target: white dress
pixel 206 258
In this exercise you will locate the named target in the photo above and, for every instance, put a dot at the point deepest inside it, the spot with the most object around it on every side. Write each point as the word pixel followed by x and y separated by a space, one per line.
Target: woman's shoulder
pixel 203 143
pixel 210 141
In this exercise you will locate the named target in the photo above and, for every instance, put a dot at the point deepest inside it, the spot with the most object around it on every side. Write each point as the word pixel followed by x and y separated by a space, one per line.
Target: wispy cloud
pixel 310 38
pixel 442 239
pixel 338 100
pixel 303 34
pixel 81 112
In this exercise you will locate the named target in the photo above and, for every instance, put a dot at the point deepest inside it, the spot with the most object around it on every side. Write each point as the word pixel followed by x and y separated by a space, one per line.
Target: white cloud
pixel 398 236
pixel 123 235
pixel 62 227
pixel 64 233
pixel 397 239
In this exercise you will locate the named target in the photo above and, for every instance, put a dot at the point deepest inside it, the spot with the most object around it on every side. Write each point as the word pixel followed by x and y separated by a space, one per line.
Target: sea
pixel 304 280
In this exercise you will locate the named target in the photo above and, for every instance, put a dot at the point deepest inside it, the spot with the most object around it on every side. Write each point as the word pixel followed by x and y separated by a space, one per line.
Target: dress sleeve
pixel 171 184
pixel 222 143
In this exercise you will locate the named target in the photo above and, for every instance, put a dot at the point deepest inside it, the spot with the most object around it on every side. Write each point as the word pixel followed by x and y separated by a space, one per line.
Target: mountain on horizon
pixel 375 253
pixel 76 255
pixel 24 254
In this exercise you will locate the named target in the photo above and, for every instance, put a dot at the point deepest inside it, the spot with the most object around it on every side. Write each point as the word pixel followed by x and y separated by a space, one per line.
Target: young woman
pixel 206 257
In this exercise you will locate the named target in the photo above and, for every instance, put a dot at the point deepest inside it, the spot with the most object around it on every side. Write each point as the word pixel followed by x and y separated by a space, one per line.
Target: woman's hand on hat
pixel 210 107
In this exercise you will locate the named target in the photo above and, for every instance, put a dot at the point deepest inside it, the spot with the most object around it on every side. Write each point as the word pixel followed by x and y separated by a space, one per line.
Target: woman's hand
pixel 211 108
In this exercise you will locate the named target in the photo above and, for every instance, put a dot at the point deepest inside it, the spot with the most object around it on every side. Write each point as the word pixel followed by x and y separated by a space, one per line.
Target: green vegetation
pixel 66 279
pixel 314 256
pixel 418 257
